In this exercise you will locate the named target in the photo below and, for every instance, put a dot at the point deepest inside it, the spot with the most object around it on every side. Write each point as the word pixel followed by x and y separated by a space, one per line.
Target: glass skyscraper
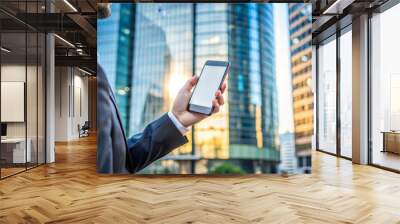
pixel 170 43
pixel 303 97
pixel 117 37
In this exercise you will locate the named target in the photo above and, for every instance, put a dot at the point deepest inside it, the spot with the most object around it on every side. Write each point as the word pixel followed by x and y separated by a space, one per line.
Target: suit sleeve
pixel 104 139
pixel 157 140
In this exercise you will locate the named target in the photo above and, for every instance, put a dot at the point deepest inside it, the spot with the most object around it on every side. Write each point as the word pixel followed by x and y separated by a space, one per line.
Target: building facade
pixel 303 105
pixel 170 43
pixel 116 57
pixel 288 160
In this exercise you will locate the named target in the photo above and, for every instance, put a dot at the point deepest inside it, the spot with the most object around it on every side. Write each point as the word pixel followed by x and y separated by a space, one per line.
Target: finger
pixel 191 82
pixel 220 100
pixel 216 106
pixel 223 87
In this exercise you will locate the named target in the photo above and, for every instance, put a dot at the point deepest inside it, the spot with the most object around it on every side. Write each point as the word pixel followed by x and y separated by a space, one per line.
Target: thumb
pixel 191 83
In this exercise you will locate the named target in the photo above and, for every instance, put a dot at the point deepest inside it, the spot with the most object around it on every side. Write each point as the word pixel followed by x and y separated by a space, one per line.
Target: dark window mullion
pixel 26 86
pixel 369 96
pixel 193 164
pixel 316 99
pixel 37 90
pixel 338 74
pixel 0 95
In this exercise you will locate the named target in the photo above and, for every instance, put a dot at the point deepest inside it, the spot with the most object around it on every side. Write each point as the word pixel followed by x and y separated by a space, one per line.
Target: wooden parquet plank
pixel 70 191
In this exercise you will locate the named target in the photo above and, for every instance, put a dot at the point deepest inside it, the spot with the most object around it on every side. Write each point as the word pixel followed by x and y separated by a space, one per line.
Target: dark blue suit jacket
pixel 116 154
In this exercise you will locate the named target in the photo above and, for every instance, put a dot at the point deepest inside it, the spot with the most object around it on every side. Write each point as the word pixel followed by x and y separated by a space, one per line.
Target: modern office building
pixel 355 46
pixel 303 97
pixel 171 42
pixel 47 75
pixel 288 154
pixel 118 36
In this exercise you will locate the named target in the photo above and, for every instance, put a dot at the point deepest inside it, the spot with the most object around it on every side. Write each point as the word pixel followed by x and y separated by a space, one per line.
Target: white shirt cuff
pixel 182 129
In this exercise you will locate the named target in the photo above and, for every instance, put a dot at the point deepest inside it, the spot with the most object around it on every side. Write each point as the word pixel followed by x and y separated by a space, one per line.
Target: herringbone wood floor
pixel 70 191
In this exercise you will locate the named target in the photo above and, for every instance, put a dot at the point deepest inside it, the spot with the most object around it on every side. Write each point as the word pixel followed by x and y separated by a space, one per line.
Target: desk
pixel 13 150
pixel 391 141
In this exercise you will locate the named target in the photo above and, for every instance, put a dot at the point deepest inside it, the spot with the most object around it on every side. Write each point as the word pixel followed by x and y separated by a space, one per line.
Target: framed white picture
pixel 12 101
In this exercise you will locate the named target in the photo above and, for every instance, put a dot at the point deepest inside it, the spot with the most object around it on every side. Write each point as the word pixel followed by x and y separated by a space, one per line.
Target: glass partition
pixel 22 88
pixel 385 89
pixel 13 108
pixel 346 93
pixel 327 96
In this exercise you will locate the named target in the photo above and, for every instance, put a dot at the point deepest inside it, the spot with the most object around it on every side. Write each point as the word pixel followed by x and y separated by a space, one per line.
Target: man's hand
pixel 179 108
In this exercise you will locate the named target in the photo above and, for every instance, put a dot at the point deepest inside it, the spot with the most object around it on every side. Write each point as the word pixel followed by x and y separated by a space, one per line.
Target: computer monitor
pixel 3 129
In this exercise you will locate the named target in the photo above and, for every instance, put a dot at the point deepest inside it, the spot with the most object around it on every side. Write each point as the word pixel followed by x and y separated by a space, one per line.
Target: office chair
pixel 84 130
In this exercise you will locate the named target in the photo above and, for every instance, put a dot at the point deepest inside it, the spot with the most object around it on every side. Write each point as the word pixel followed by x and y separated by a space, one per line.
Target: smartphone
pixel 211 79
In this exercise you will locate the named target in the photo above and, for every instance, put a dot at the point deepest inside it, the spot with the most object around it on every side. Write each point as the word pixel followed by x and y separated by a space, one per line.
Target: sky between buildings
pixel 283 71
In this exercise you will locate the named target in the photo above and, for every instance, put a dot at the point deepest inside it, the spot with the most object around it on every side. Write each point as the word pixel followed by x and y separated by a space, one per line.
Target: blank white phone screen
pixel 207 86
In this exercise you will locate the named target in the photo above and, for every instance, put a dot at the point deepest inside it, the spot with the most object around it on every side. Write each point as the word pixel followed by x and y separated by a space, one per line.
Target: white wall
pixel 61 104
pixel 71 102
pixel 80 110
pixel 13 73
